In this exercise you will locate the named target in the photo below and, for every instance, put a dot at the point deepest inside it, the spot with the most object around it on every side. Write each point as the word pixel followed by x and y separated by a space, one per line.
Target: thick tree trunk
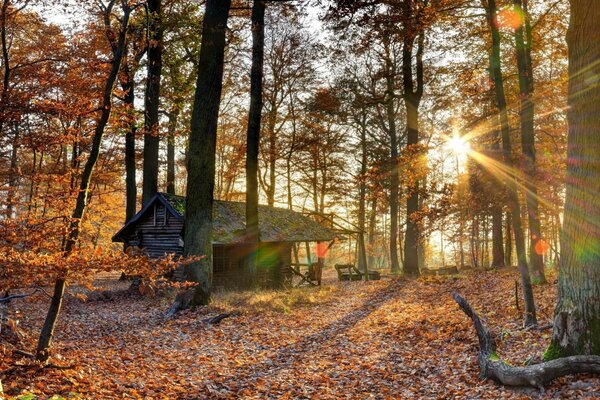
pixel 492 367
pixel 412 100
pixel 201 155
pixel 152 100
pixel 45 339
pixel 577 313
pixel 515 206
pixel 525 68
pixel 253 138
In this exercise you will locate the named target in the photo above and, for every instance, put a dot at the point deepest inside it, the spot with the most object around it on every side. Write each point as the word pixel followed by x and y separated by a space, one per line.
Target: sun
pixel 458 145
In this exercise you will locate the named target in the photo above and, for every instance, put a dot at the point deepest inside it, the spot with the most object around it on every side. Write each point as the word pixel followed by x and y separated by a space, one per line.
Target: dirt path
pixel 386 339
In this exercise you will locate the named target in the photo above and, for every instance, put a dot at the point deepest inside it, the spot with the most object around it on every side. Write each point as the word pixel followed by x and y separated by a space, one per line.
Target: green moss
pixel 553 352
pixel 494 357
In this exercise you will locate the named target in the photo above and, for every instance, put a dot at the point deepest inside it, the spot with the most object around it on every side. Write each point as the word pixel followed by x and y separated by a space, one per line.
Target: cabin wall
pixel 158 233
pixel 273 265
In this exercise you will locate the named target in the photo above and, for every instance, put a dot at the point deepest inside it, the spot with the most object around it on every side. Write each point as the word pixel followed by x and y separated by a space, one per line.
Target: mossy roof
pixel 229 222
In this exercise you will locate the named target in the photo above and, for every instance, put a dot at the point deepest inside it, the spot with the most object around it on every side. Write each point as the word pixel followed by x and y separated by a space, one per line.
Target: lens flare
pixel 511 17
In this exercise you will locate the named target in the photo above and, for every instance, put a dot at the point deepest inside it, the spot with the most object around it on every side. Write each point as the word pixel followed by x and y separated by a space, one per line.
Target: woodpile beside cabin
pixel 157 229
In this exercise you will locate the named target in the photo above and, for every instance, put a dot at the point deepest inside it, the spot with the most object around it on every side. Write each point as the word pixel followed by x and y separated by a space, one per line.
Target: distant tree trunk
pixel 393 165
pixel 577 313
pixel 13 177
pixel 412 100
pixel 201 155
pixel 515 207
pixel 372 230
pixel 498 256
pixel 362 192
pixel 272 156
pixel 152 100
pixel 253 137
pixel 173 119
pixel 523 44
pixel 509 243
pixel 497 237
pixel 128 86
pixel 45 339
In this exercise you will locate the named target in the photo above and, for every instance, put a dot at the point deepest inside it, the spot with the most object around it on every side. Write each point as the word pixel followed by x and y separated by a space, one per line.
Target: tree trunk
pixel 515 206
pixel 128 86
pixel 577 313
pixel 45 339
pixel 173 119
pixel 509 243
pixel 152 100
pixel 412 100
pixel 497 238
pixel 372 230
pixel 362 194
pixel 393 165
pixel 13 174
pixel 201 155
pixel 253 138
pixel 525 69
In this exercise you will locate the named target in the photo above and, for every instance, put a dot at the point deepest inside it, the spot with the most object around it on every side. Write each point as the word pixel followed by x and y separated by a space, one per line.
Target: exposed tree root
pixel 538 375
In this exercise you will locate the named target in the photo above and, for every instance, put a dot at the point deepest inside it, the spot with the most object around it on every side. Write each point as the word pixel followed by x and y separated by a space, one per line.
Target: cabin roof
pixel 229 222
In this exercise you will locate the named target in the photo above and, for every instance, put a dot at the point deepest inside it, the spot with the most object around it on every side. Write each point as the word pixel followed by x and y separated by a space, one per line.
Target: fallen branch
pixel 7 299
pixel 217 320
pixel 23 353
pixel 538 375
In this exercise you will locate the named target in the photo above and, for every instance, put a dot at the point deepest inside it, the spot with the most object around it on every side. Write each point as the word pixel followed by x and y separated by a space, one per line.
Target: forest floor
pixel 393 338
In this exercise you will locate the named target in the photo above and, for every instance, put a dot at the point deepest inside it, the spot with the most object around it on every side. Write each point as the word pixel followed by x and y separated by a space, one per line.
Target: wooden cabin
pixel 158 230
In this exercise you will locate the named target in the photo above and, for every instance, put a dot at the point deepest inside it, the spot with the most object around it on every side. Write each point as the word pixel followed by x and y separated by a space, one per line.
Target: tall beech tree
pixel 497 79
pixel 253 135
pixel 72 237
pixel 577 313
pixel 201 155
pixel 412 18
pixel 523 39
pixel 152 100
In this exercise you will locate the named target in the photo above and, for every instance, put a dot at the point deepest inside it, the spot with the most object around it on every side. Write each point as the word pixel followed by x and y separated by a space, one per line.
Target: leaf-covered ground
pixel 384 339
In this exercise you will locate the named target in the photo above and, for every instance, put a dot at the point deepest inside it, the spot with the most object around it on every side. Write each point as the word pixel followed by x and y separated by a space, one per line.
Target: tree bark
pixel 515 206
pixel 577 313
pixel 253 138
pixel 152 100
pixel 527 111
pixel 45 339
pixel 497 238
pixel 201 155
pixel 173 119
pixel 393 165
pixel 412 100
pixel 128 86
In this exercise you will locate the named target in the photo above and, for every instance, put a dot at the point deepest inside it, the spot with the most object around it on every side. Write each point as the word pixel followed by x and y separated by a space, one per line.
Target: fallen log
pixel 537 375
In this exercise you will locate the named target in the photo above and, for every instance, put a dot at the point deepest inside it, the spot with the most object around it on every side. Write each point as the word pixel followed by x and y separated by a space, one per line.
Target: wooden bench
pixel 447 270
pixel 348 272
